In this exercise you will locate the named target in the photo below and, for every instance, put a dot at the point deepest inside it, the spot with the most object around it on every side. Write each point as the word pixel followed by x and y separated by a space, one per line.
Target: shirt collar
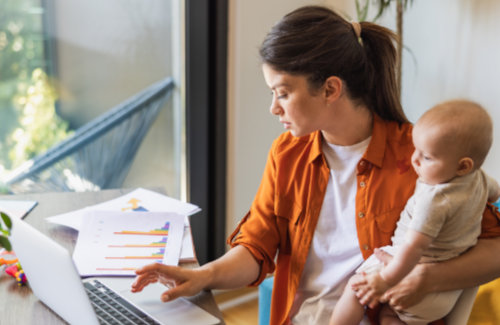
pixel 375 151
pixel 316 148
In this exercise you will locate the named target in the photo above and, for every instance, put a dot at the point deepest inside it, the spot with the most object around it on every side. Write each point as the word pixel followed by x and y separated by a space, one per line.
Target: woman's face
pixel 298 109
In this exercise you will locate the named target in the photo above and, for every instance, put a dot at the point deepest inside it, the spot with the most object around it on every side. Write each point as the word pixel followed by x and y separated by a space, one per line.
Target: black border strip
pixel 206 125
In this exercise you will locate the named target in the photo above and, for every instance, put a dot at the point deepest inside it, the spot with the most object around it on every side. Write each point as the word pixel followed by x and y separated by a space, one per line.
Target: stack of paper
pixel 117 243
pixel 137 201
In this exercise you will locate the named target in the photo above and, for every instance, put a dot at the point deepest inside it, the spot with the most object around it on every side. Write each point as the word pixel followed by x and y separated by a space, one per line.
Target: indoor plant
pixel 5 227
pixel 382 6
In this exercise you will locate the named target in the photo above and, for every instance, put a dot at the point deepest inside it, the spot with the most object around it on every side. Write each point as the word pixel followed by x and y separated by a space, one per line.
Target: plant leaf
pixel 382 5
pixel 362 12
pixel 5 243
pixel 6 220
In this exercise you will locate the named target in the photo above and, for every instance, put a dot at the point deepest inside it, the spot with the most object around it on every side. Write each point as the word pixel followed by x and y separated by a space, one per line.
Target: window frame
pixel 206 125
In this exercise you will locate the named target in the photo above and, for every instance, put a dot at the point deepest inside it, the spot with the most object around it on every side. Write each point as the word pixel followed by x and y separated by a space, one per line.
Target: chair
pixel 99 154
pixel 265 293
pixel 486 308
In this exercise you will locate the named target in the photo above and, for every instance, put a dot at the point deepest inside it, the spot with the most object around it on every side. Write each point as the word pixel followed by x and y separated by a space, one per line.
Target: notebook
pixel 53 278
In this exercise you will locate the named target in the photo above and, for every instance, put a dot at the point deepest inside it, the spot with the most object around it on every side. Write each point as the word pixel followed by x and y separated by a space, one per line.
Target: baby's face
pixel 434 161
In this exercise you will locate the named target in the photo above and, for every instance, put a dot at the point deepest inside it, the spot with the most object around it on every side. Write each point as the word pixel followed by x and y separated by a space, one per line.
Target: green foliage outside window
pixel 29 124
pixel 39 125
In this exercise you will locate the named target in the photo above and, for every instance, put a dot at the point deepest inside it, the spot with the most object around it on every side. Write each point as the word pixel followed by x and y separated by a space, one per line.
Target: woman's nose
pixel 275 108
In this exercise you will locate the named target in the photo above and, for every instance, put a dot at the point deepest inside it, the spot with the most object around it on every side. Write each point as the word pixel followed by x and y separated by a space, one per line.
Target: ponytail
pixel 316 42
pixel 378 44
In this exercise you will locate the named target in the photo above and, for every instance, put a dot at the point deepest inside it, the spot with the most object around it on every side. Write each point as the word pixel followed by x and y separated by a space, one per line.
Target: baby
pixel 443 217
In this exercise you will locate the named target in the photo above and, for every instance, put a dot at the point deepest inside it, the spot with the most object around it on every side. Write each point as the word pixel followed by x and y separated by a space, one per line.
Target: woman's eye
pixel 427 158
pixel 282 96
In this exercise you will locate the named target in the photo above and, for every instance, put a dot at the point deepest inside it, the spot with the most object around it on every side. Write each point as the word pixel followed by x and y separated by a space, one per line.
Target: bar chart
pixel 118 243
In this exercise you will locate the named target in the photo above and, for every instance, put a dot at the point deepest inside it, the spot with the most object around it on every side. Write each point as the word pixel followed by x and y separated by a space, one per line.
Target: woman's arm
pixel 234 269
pixel 479 265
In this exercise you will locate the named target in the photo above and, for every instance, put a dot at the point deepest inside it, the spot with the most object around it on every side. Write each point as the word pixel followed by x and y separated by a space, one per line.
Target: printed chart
pixel 117 243
pixel 137 201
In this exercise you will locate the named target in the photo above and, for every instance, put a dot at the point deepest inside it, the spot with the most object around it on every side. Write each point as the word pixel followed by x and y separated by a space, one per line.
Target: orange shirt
pixel 281 222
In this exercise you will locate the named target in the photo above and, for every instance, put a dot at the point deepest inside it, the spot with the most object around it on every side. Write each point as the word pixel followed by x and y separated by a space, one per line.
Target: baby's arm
pixel 405 259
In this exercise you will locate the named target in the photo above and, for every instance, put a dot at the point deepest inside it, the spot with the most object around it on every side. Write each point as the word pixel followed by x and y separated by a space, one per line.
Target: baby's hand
pixel 370 288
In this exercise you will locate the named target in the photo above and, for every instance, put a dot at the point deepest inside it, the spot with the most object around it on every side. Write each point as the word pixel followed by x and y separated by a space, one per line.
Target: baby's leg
pixel 348 309
pixel 389 317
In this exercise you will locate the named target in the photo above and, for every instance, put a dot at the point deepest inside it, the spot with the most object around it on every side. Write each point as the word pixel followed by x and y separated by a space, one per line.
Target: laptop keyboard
pixel 112 308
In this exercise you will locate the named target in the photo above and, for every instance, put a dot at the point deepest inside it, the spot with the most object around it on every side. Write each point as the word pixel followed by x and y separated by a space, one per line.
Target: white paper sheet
pixel 138 200
pixel 17 208
pixel 117 243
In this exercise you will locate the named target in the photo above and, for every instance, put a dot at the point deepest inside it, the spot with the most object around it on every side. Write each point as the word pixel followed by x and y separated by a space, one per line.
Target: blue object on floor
pixel 265 293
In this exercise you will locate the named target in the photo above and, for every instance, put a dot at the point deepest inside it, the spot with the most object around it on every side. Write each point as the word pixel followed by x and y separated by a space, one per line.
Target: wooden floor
pixel 239 307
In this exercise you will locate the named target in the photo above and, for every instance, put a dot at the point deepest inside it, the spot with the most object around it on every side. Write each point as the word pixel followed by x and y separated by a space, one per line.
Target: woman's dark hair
pixel 318 43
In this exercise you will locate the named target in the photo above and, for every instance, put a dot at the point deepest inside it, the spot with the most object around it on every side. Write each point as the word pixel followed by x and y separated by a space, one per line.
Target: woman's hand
pixel 408 292
pixel 179 281
pixel 234 269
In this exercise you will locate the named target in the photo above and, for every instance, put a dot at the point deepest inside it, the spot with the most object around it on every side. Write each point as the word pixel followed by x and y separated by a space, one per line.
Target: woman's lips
pixel 286 125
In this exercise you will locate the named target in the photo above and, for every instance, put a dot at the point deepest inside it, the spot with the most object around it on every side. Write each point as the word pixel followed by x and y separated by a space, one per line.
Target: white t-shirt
pixel 334 252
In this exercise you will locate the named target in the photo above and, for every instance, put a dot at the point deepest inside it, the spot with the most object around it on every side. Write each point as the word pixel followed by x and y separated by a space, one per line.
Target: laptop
pixel 54 279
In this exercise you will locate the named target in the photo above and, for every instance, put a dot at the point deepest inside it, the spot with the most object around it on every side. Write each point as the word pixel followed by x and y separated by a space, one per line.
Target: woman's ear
pixel 465 166
pixel 333 88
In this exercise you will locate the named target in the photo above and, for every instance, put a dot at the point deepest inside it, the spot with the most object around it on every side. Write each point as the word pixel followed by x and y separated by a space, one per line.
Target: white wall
pixel 456 51
pixel 456 54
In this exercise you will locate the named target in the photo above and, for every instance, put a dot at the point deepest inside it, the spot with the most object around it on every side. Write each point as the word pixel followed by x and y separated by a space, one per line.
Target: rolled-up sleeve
pixel 258 230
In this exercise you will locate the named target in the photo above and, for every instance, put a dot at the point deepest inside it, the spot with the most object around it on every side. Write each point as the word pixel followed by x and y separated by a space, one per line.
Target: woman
pixel 334 185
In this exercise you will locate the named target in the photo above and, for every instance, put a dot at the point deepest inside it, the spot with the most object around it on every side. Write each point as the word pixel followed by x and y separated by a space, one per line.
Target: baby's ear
pixel 465 166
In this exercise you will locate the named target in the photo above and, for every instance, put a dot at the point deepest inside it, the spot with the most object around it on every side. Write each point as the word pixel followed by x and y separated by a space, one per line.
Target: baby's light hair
pixel 465 125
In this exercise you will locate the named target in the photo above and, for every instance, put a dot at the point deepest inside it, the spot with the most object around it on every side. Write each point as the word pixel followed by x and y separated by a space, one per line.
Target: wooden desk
pixel 18 305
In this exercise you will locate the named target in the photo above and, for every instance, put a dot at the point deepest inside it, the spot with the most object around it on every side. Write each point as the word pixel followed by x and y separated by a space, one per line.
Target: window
pixel 64 63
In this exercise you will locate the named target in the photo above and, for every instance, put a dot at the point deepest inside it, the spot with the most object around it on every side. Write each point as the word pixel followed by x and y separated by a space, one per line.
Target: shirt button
pixel 362 184
pixel 366 247
pixel 361 214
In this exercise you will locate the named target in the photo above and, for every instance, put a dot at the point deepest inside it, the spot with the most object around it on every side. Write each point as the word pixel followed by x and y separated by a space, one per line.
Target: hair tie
pixel 357 31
